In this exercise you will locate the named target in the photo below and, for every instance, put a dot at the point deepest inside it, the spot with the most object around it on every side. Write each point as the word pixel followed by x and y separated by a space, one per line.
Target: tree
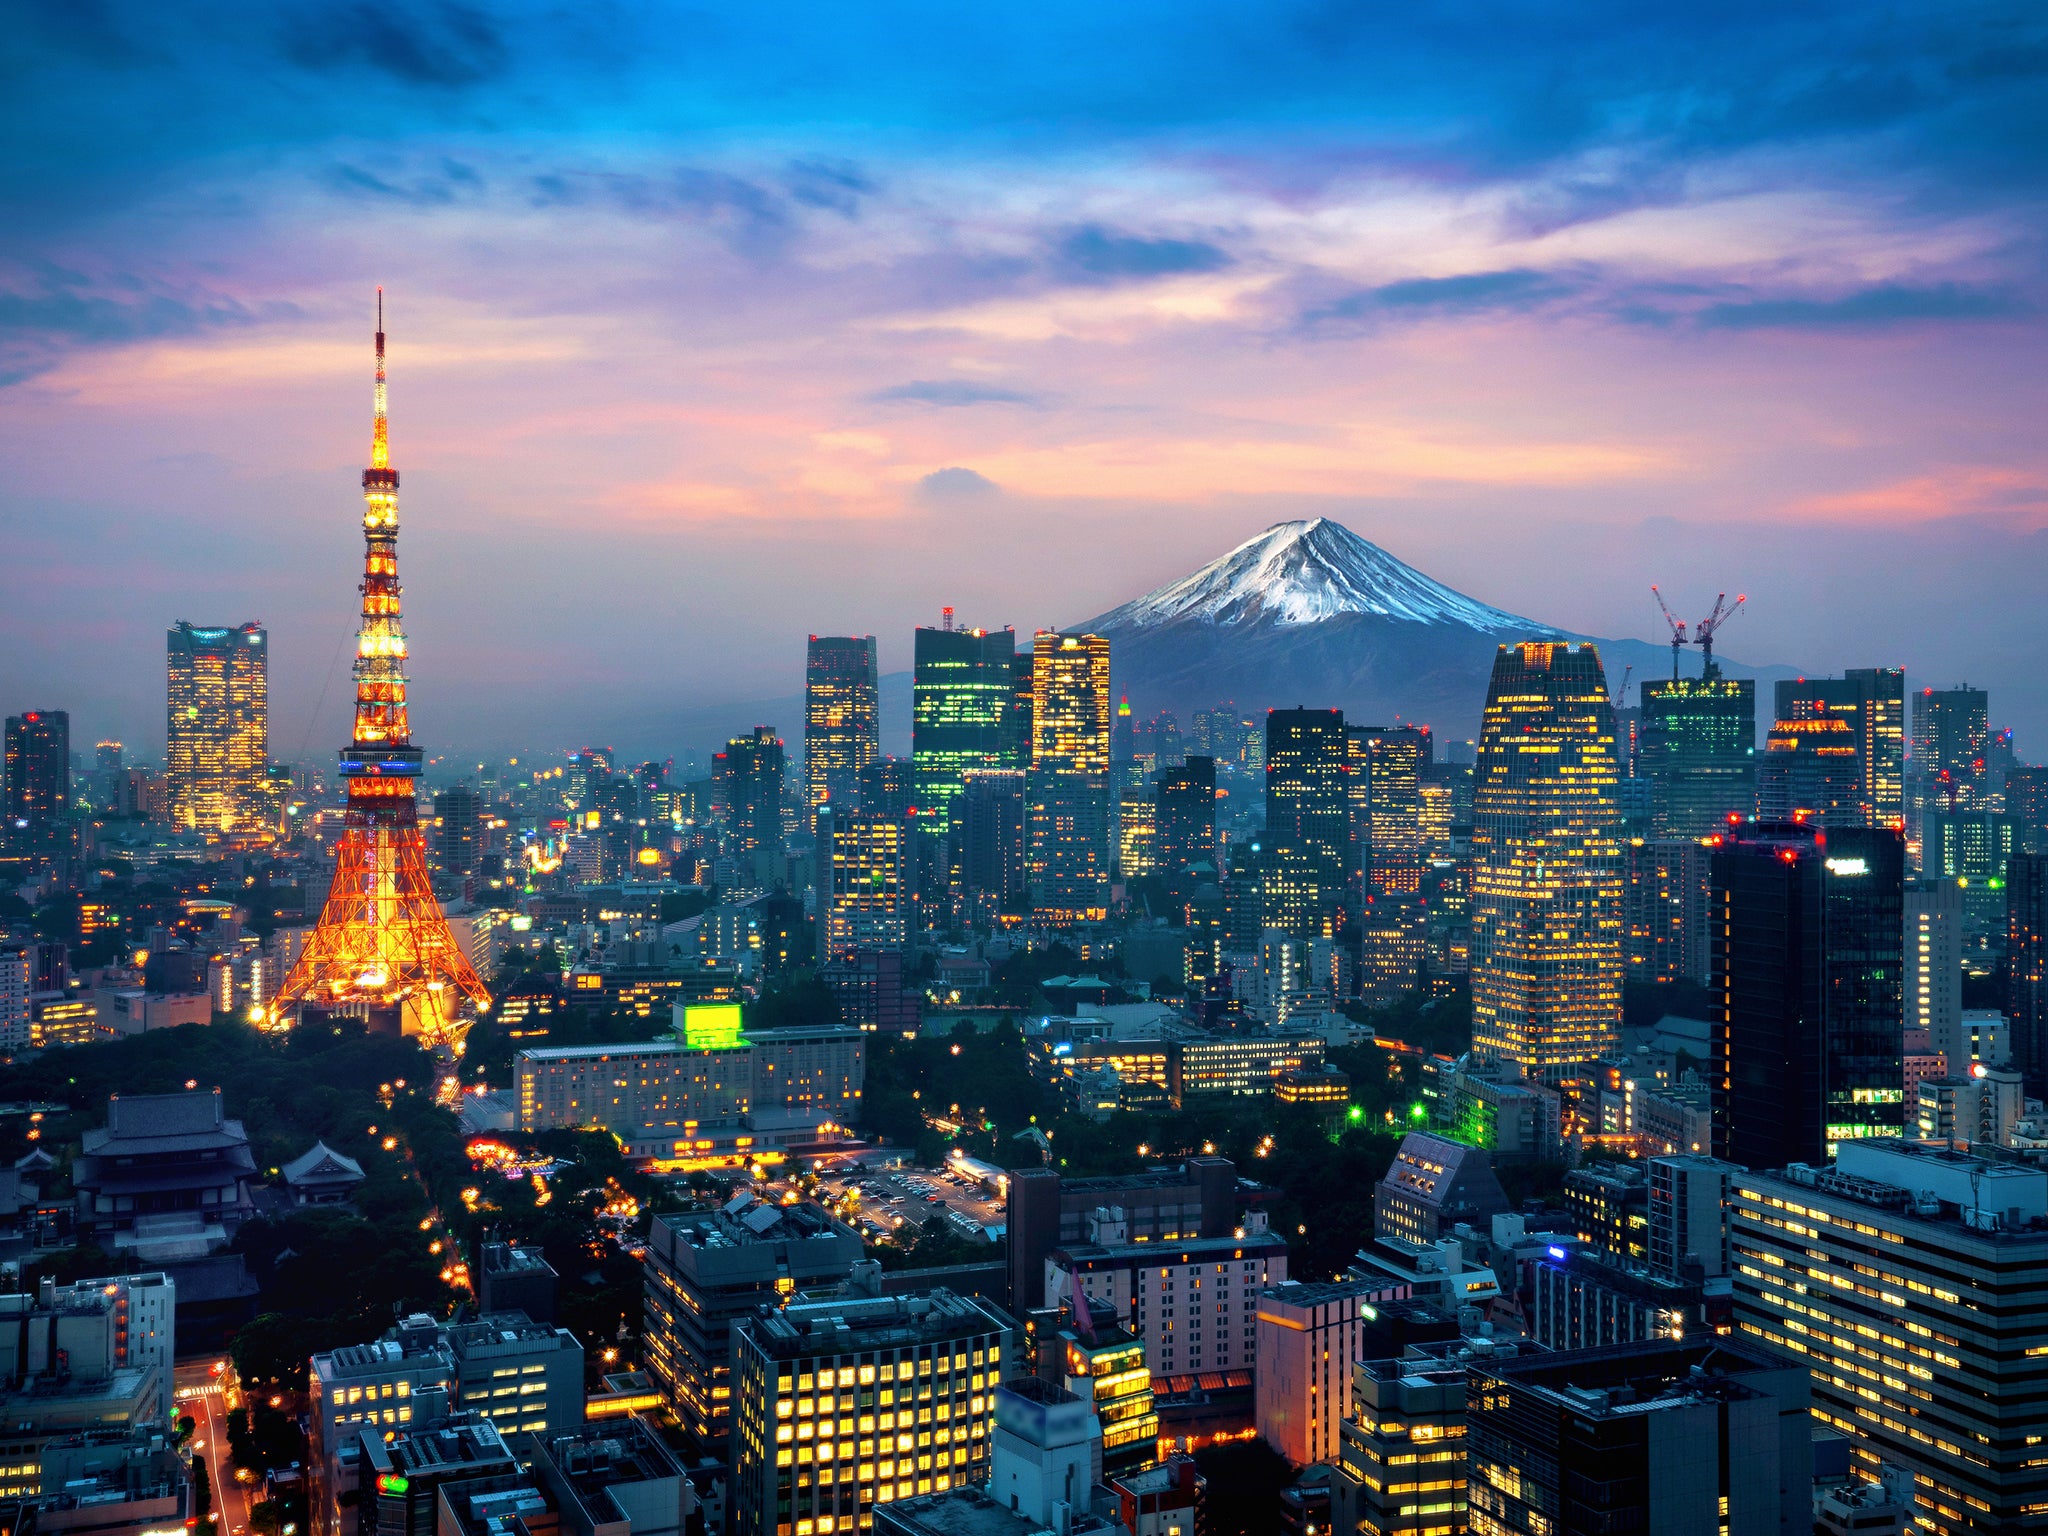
pixel 202 1491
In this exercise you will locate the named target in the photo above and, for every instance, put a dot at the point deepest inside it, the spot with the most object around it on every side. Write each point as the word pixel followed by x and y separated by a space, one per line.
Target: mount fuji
pixel 1310 613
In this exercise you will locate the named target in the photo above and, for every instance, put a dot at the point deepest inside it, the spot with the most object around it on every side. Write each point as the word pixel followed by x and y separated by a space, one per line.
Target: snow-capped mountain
pixel 1309 613
pixel 1304 573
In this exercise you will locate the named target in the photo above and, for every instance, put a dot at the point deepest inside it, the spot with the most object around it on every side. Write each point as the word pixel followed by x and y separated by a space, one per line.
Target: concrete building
pixel 844 1405
pixel 615 1479
pixel 1433 1184
pixel 120 1480
pixel 1307 1338
pixel 1688 1215
pixel 1401 1458
pixel 521 1375
pixel 1047 1442
pixel 85 1359
pixel 1683 1439
pixel 1934 961
pixel 1198 1200
pixel 402 1481
pixel 515 1279
pixel 368 1386
pixel 701 1097
pixel 1194 1302
pixel 1913 1280
pixel 705 1272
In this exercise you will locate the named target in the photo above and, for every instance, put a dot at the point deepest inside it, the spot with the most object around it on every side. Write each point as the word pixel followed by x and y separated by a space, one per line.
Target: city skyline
pixel 688 349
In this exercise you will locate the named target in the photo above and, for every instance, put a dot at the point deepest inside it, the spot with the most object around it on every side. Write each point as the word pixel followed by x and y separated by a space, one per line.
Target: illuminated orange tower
pixel 382 948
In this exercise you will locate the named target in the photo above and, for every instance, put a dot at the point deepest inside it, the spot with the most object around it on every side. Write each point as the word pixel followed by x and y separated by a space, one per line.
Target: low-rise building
pixel 614 1479
pixel 1307 1337
pixel 377 1386
pixel 518 1374
pixel 1194 1301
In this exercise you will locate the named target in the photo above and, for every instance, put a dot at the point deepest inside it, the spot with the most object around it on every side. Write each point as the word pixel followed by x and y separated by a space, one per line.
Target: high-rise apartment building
pixel 1307 847
pixel 1809 966
pixel 1068 785
pixel 862 881
pixel 1308 1337
pixel 845 1404
pixel 38 790
pixel 1911 1280
pixel 1699 752
pixel 1546 856
pixel 2026 959
pixel 842 717
pixel 960 699
pixel 748 779
pixel 1871 702
pixel 217 730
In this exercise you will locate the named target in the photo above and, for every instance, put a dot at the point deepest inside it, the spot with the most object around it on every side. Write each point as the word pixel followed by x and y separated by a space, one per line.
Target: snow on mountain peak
pixel 1302 573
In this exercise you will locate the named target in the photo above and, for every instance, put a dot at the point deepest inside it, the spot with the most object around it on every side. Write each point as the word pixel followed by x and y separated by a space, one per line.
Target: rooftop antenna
pixel 946 620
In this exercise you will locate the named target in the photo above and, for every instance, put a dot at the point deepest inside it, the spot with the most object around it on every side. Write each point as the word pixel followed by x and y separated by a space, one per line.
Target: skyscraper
pixel 2026 957
pixel 1068 788
pixel 39 781
pixel 1307 845
pixel 1699 752
pixel 1546 854
pixel 1394 761
pixel 1186 819
pixel 1810 772
pixel 960 694
pixel 1933 978
pixel 458 831
pixel 1809 931
pixel 382 946
pixel 989 846
pixel 217 728
pixel 750 771
pixel 863 882
pixel 842 717
pixel 1950 734
pixel 1871 701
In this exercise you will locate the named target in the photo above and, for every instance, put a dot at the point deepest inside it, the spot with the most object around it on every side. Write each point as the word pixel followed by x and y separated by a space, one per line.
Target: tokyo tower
pixel 382 949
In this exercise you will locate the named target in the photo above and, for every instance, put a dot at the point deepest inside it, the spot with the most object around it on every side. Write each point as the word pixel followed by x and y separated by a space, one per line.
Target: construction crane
pixel 1621 693
pixel 1710 626
pixel 1678 640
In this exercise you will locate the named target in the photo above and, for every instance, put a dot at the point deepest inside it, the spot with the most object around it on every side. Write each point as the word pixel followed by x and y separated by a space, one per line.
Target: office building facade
pixel 845 1405
pixel 1068 783
pixel 38 781
pixel 864 881
pixel 1911 1281
pixel 961 681
pixel 1699 753
pixel 1809 966
pixel 747 779
pixel 707 1271
pixel 217 726
pixel 2026 959
pixel 1871 701
pixel 842 718
pixel 1677 1438
pixel 1185 820
pixel 1546 855
pixel 1307 847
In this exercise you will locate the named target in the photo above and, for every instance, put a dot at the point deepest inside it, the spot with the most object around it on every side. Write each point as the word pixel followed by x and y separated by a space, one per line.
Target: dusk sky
pixel 715 326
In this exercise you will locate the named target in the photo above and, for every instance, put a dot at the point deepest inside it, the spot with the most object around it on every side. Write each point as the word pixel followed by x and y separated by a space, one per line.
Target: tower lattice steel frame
pixel 382 941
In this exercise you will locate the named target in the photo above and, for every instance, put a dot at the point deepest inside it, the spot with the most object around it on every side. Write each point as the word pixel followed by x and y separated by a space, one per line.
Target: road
pixel 199 1394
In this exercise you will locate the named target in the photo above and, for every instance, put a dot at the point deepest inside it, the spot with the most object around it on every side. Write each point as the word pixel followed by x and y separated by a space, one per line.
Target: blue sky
pixel 716 326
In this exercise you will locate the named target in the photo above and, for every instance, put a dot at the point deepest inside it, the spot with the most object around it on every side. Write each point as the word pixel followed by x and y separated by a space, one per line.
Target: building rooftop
pixel 1930 1181
pixel 321 1164
pixel 837 1326
pixel 973 1512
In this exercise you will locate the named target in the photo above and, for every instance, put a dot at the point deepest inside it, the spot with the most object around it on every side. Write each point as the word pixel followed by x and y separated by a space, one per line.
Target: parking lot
pixel 890 1197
